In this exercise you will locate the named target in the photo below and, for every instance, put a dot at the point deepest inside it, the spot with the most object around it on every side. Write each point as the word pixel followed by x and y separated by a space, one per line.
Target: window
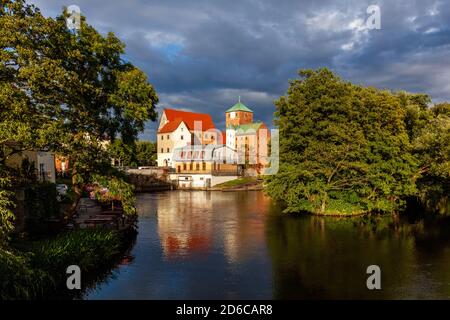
pixel 162 150
pixel 184 166
pixel 197 166
pixel 204 166
pixel 190 166
pixel 168 150
pixel 182 129
pixel 168 137
pixel 182 138
pixel 162 137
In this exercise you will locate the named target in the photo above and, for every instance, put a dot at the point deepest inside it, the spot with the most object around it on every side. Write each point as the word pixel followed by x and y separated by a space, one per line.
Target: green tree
pixel 67 91
pixel 432 148
pixel 140 153
pixel 343 148
pixel 146 153
pixel 123 154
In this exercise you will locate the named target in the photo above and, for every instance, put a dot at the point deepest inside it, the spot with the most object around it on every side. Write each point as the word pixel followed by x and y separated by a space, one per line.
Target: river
pixel 238 245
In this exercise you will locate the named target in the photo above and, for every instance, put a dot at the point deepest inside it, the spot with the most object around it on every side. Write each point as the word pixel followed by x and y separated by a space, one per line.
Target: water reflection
pixel 327 258
pixel 237 245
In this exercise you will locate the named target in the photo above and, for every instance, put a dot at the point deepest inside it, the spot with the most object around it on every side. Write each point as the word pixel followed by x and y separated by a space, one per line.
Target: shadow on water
pixel 326 258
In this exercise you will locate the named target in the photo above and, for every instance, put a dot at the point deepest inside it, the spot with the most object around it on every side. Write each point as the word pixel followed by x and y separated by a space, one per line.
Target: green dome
pixel 239 107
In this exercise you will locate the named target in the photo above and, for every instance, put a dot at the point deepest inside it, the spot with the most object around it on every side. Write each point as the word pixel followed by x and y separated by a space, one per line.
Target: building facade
pixel 43 162
pixel 181 128
pixel 250 139
pixel 246 140
pixel 204 166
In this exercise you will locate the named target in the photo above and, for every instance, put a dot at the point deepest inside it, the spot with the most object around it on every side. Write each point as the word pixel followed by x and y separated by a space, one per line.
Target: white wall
pixel 231 138
pixel 175 137
pixel 47 159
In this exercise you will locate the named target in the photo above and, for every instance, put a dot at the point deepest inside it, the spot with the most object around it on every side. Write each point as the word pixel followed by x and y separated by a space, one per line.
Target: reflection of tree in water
pixel 316 257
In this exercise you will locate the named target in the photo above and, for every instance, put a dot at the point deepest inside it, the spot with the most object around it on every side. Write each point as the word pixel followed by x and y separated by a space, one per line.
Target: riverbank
pixel 241 184
pixel 37 269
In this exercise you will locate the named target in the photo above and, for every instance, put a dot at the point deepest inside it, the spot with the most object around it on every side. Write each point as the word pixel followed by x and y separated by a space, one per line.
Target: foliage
pixel 38 269
pixel 85 248
pixel 432 148
pixel 6 215
pixel 343 148
pixel 17 279
pixel 110 188
pixel 68 92
pixel 146 153
pixel 41 205
pixel 141 153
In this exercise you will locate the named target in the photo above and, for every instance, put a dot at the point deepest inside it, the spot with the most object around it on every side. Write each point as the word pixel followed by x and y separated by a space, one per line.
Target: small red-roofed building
pixel 179 128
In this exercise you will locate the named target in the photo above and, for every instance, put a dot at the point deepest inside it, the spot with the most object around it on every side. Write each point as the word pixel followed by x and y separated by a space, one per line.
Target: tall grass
pixel 37 270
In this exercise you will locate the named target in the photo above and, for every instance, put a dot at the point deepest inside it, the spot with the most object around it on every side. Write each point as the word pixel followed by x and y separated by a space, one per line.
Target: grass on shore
pixel 236 183
pixel 37 269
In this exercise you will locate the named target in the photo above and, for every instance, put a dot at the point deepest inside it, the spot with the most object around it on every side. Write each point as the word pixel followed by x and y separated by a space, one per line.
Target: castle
pixel 191 144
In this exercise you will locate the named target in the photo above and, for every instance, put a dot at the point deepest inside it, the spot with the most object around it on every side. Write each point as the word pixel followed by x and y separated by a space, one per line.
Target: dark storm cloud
pixel 201 55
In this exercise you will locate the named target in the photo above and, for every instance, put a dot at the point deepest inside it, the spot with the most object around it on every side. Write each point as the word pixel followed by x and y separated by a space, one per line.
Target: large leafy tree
pixel 146 153
pixel 432 148
pixel 141 153
pixel 69 92
pixel 343 148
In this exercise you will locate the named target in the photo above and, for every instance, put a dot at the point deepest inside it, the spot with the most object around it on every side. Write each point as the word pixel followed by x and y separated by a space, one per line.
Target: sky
pixel 201 55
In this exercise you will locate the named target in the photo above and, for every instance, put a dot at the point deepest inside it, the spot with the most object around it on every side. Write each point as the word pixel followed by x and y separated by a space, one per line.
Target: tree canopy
pixel 345 148
pixel 67 92
pixel 141 153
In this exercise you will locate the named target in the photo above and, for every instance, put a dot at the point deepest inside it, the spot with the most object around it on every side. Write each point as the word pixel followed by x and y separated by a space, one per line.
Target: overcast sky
pixel 202 54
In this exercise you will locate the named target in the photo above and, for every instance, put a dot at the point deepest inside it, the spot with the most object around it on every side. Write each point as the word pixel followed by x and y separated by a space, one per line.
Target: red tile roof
pixel 175 117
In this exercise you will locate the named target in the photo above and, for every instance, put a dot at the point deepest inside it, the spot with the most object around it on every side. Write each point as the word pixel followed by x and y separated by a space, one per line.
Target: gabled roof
pixel 239 107
pixel 175 117
pixel 171 126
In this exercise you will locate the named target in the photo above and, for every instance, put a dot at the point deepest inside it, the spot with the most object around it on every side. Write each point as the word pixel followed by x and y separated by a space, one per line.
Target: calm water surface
pixel 237 245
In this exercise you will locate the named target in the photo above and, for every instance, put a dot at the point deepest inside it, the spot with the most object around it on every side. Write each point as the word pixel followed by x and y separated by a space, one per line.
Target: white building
pixel 181 128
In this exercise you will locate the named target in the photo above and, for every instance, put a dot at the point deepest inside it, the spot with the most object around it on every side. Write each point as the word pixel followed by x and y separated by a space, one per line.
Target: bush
pixel 41 205
pixel 18 280
pixel 37 269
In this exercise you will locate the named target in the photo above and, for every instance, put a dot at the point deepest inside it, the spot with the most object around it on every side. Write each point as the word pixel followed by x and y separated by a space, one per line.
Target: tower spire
pixel 239 99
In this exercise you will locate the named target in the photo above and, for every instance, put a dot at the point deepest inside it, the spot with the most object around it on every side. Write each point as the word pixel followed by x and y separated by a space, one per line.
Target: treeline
pixel 349 149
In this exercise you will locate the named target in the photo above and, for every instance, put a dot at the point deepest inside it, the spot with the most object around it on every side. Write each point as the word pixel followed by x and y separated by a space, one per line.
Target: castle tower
pixel 238 114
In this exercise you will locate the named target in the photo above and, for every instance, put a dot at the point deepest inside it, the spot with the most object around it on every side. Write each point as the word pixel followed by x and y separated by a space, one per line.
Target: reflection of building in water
pixel 184 224
pixel 246 233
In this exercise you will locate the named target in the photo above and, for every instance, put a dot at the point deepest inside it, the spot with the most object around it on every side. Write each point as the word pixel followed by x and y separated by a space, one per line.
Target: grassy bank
pixel 37 269
pixel 239 183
